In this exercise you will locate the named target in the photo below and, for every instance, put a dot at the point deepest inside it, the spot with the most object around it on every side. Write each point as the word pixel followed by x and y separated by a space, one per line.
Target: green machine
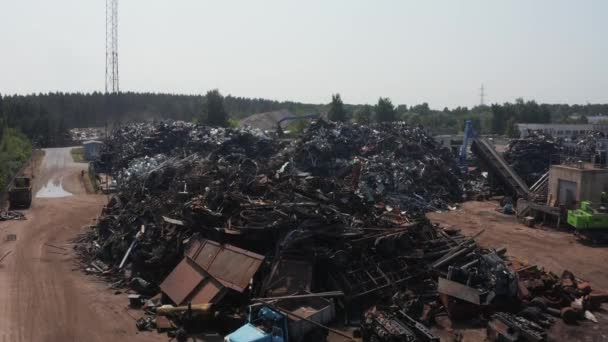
pixel 588 217
pixel 591 221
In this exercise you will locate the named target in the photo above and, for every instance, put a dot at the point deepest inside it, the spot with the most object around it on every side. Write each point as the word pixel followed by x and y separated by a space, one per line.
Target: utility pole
pixel 112 47
pixel 482 95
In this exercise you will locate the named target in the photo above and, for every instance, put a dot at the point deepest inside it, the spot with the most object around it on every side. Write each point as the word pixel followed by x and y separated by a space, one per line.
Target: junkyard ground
pixel 42 297
pixel 547 247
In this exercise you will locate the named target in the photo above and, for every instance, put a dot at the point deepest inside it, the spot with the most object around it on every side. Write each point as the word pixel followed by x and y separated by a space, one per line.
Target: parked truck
pixel 20 193
pixel 286 321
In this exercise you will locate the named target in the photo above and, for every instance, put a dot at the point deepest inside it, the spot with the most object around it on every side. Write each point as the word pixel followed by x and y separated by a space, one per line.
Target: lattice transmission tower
pixel 112 46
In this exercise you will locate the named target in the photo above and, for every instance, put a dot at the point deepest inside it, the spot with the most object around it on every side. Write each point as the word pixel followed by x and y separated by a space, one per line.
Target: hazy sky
pixel 438 52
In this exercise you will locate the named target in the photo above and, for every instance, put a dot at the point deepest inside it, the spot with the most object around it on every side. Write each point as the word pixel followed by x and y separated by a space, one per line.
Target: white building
pixel 595 119
pixel 560 130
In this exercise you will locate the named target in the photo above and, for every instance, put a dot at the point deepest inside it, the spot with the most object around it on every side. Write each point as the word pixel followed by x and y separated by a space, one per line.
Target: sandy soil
pixel 42 296
pixel 546 247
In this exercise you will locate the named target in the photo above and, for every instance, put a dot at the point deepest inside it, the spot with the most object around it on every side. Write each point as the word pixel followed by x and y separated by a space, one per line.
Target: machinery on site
pixel 591 221
pixel 20 193
pixel 293 118
pixel 285 322
pixel 492 161
pixel 469 134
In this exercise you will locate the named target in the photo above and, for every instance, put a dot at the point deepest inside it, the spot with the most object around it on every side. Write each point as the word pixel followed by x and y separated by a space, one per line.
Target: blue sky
pixel 438 52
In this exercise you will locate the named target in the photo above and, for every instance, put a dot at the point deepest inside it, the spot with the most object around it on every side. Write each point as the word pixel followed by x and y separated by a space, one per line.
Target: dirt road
pixel 42 297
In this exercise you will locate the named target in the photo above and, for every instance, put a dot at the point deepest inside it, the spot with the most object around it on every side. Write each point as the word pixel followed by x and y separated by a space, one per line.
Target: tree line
pixel 46 118
pixel 15 149
pixel 495 119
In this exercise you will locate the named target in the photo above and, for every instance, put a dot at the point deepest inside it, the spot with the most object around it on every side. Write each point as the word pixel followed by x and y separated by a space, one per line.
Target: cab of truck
pixel 267 326
pixel 21 182
pixel 252 333
pixel 20 193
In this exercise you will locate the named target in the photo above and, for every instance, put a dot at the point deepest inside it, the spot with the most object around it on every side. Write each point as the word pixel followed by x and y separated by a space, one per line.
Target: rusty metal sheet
pixel 210 291
pixel 192 249
pixel 206 254
pixel 233 267
pixel 458 290
pixel 163 324
pixel 180 283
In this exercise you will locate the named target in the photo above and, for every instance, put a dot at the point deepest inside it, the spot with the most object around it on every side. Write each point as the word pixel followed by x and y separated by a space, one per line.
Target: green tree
pixel 422 109
pixel 385 111
pixel 364 115
pixel 414 119
pixel 499 119
pixel 511 130
pixel 401 110
pixel 214 113
pixel 336 109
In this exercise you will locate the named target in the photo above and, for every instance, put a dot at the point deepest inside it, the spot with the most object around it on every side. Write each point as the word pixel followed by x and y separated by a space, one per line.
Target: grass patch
pixel 78 154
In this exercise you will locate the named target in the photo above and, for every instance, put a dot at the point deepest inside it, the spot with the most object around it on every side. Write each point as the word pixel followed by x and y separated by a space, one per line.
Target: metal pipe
pixel 310 295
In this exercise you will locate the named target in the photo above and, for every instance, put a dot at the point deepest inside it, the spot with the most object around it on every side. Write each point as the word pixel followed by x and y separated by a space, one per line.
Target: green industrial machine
pixel 590 221
pixel 588 217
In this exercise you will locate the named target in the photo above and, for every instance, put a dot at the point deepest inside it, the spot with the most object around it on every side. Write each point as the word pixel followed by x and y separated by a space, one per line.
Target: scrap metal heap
pixel 215 219
pixel 532 156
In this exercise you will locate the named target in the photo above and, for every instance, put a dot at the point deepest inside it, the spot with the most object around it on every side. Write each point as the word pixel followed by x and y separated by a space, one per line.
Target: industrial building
pixel 570 184
pixel 560 130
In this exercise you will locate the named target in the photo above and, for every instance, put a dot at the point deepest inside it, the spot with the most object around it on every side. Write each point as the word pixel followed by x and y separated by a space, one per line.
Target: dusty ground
pixel 42 297
pixel 546 247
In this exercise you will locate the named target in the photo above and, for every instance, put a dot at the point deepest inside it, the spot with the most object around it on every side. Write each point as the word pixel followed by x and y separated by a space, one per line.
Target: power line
pixel 112 46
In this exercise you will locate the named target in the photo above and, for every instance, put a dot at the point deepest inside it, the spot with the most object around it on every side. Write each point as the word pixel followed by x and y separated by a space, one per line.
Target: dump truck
pixel 286 321
pixel 20 193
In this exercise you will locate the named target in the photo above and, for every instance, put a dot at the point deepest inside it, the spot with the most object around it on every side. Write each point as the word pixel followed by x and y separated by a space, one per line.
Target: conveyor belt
pixel 484 150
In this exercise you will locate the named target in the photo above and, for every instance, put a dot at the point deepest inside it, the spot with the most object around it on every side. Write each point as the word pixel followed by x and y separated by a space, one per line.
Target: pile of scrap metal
pixel 568 297
pixel 393 324
pixel 532 156
pixel 208 222
pixel 586 144
pixel 6 215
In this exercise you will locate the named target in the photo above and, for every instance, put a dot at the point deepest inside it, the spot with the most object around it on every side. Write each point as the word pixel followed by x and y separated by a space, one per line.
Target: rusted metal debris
pixel 6 215
pixel 209 272
pixel 231 215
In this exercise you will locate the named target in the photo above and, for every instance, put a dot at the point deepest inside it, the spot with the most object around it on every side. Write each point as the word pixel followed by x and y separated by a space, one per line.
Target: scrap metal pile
pixel 6 215
pixel 532 156
pixel 587 143
pixel 216 219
